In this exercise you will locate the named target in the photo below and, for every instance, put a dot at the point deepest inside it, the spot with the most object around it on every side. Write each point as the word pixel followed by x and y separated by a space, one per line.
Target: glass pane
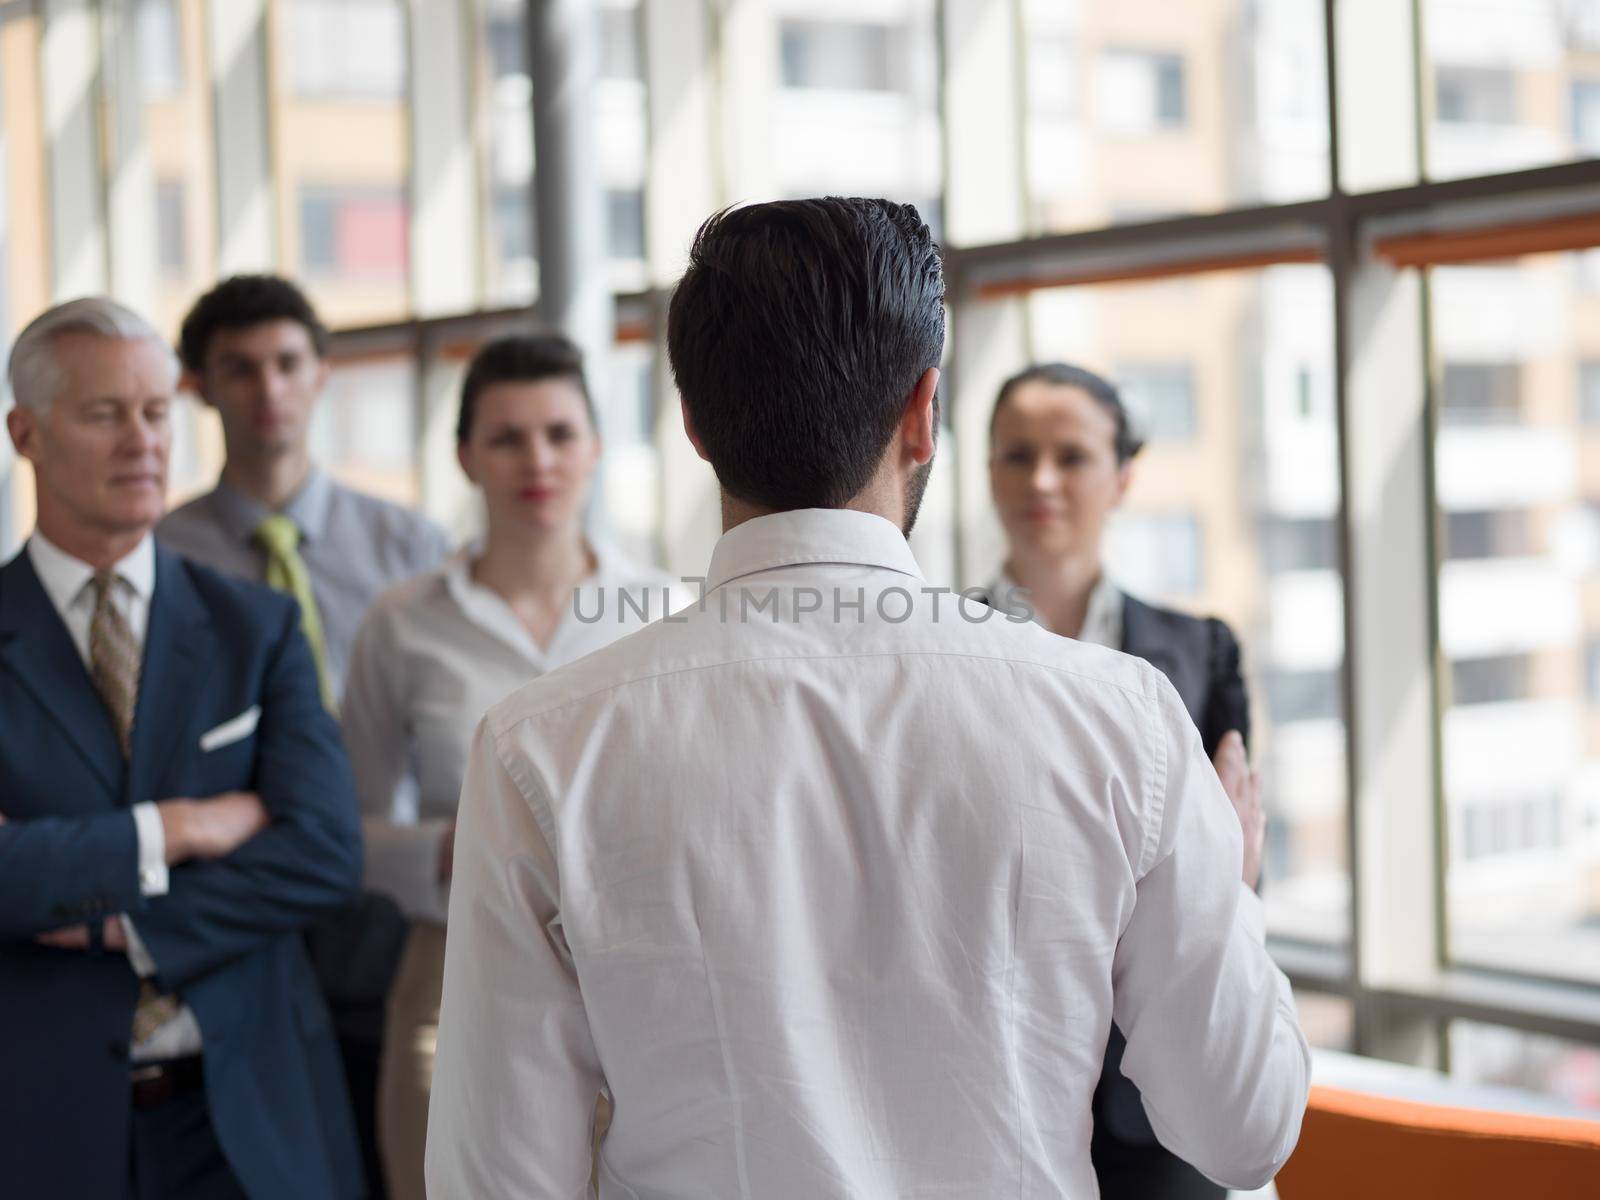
pixel 169 36
pixel 1138 109
pixel 1329 1021
pixel 626 498
pixel 1567 1072
pixel 364 429
pixel 1233 512
pixel 1514 84
pixel 341 155
pixel 856 106
pixel 1518 483
pixel 511 247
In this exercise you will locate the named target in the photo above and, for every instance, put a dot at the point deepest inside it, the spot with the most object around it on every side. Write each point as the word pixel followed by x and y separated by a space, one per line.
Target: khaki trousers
pixel 411 1030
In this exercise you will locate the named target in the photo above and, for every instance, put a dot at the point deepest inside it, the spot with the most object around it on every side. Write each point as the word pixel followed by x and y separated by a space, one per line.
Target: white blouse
pixel 431 656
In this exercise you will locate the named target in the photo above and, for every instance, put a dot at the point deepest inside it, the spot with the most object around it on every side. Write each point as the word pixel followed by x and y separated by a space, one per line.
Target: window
pixel 345 49
pixel 1568 1072
pixel 1487 393
pixel 1586 116
pixel 159 31
pixel 1301 695
pixel 1589 391
pixel 625 223
pixel 838 55
pixel 1489 680
pixel 1491 533
pixel 1519 611
pixel 620 56
pixel 1156 554
pixel 172 248
pixel 1160 399
pixel 1141 91
pixel 364 428
pixel 1299 543
pixel 1475 95
pixel 353 233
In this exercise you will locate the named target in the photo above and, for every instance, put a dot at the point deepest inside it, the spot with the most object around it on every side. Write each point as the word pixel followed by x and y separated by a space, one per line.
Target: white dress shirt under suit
pixel 66 580
pixel 838 897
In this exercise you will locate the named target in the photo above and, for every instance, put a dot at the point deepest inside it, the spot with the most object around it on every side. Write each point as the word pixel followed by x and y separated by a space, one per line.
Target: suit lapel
pixel 177 644
pixel 35 645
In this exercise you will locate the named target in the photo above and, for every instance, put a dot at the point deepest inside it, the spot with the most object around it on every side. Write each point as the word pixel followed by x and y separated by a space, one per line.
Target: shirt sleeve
pixel 516 1075
pixel 138 954
pixel 402 854
pixel 152 835
pixel 1214 1045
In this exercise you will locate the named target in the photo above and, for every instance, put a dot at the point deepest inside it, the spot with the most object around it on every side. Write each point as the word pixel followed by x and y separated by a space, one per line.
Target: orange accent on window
pixel 1495 242
pixel 1129 274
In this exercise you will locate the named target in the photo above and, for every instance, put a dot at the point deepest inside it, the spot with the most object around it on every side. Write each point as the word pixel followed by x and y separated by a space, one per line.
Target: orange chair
pixel 1358 1146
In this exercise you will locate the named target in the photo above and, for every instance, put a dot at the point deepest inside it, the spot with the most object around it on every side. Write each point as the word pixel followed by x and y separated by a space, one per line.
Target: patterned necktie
pixel 279 536
pixel 114 657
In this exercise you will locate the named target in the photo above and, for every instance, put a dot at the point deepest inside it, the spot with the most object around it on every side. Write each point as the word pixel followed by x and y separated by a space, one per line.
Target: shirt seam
pixel 511 723
pixel 1156 785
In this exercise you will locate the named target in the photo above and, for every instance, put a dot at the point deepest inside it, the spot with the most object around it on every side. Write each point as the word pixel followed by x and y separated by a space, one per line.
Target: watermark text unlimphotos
pixel 892 605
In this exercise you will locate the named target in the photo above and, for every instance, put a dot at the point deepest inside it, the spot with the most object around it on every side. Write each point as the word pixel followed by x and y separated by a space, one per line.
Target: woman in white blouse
pixel 434 653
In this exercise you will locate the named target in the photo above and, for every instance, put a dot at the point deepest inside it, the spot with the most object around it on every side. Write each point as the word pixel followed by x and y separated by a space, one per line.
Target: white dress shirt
pixel 430 658
pixel 67 582
pixel 1102 619
pixel 837 891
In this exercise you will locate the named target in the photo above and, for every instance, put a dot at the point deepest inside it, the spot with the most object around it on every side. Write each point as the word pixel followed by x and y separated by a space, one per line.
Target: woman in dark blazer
pixel 1061 457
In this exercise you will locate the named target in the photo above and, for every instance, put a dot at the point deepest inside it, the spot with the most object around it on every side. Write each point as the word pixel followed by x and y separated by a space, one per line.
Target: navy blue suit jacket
pixel 226 936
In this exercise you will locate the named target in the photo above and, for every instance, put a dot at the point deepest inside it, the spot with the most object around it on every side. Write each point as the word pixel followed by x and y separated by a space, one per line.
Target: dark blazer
pixel 1201 659
pixel 227 934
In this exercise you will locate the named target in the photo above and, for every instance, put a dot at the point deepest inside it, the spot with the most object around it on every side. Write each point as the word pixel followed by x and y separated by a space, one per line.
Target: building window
pixel 620 57
pixel 1301 694
pixel 356 234
pixel 172 246
pixel 1586 116
pixel 1052 75
pixel 1481 393
pixel 159 31
pixel 1156 555
pixel 1492 680
pixel 1589 391
pixel 1160 399
pixel 838 55
pixel 1299 544
pixel 346 49
pixel 1141 92
pixel 1475 95
pixel 625 223
pixel 1491 533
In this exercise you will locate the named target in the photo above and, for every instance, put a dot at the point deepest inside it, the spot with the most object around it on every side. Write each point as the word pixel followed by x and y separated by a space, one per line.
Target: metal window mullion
pixel 70 79
pixel 237 52
pixel 443 262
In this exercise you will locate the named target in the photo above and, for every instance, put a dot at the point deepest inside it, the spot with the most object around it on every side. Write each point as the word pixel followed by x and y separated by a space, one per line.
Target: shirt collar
pixel 1102 620
pixel 307 508
pixel 809 535
pixel 64 577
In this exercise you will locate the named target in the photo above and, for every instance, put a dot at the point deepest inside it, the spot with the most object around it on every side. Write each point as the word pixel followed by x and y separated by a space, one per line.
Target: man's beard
pixel 915 486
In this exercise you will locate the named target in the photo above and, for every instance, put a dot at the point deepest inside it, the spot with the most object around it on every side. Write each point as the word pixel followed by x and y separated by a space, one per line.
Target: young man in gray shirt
pixel 255 350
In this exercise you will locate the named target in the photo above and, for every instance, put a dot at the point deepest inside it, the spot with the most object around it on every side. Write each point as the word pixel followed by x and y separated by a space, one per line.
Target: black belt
pixel 156 1083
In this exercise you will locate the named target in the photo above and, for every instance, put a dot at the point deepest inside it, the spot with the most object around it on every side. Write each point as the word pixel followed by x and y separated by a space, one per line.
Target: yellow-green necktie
pixel 279 536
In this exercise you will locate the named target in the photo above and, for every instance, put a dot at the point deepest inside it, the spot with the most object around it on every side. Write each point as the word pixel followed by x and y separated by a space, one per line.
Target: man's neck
pixel 875 498
pixel 98 547
pixel 270 481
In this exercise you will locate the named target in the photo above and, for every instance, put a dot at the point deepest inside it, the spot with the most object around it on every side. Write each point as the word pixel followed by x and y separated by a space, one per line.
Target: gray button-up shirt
pixel 354 545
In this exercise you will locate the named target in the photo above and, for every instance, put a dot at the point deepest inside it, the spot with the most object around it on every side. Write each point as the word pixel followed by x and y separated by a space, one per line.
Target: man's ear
pixel 688 429
pixel 919 426
pixel 23 426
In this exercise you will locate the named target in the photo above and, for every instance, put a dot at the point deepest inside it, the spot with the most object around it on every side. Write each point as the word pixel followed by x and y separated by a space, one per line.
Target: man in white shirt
pixel 835 881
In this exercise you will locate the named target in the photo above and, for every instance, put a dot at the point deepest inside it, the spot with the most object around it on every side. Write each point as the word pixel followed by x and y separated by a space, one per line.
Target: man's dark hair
pixel 521 358
pixel 1127 442
pixel 796 337
pixel 240 302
